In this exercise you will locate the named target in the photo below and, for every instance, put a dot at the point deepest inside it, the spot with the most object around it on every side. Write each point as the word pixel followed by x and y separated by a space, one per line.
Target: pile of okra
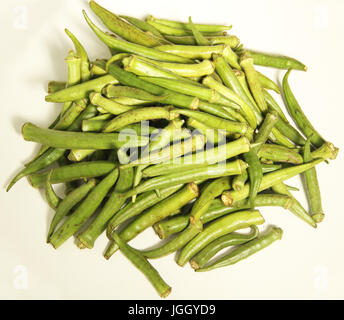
pixel 177 131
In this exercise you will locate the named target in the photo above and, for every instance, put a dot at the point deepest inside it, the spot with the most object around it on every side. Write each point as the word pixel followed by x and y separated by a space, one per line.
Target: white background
pixel 306 264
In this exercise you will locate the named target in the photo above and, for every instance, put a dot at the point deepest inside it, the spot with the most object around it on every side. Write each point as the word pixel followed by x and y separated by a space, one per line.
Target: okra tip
pixel 194 265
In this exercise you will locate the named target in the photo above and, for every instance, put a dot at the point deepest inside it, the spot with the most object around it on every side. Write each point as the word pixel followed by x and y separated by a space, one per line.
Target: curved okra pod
pixel 54 86
pixel 245 250
pixel 108 105
pixel 82 140
pixel 255 173
pixel 75 221
pixel 208 194
pixel 246 62
pixel 81 52
pixel 216 122
pixel 122 28
pixel 312 187
pixel 200 27
pixel 279 153
pixel 295 206
pixel 159 212
pixel 199 37
pixel 115 201
pixel 139 261
pixel 231 239
pixel 191 89
pixel 71 200
pixel 124 46
pixel 139 114
pixel 202 158
pixel 268 83
pixel 217 209
pixel 72 172
pixel 268 180
pixel 276 61
pixel 298 116
pixel 208 172
pixel 82 90
pixel 230 40
pixel 173 245
pixel 231 95
pixel 143 202
pixel 52 198
pixel 218 228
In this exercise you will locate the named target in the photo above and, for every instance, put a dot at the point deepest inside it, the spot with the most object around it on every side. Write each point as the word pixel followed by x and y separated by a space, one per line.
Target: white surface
pixel 305 264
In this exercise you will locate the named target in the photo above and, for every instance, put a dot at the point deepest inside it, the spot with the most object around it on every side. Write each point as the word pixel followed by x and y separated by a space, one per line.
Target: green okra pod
pixel 268 180
pixel 124 46
pixel 115 201
pixel 295 206
pixel 52 198
pixel 93 200
pixel 245 250
pixel 191 89
pixel 189 70
pixel 159 212
pixel 312 187
pixel 246 110
pixel 82 90
pixel 276 61
pixel 230 40
pixel 122 28
pixel 216 122
pixel 208 194
pixel 217 209
pixel 298 115
pixel 218 228
pixel 72 199
pixel 201 159
pixel 279 153
pixel 81 52
pixel 246 62
pixel 208 172
pixel 137 115
pixel 72 172
pixel 186 26
pixel 199 37
pixel 143 202
pixel 231 239
pixel 268 83
pixel 144 26
pixel 82 140
pixel 54 86
pixel 108 105
pixel 141 263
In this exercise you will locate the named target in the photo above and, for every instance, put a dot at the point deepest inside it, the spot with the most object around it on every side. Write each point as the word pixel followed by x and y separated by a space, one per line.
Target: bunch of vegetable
pixel 176 131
